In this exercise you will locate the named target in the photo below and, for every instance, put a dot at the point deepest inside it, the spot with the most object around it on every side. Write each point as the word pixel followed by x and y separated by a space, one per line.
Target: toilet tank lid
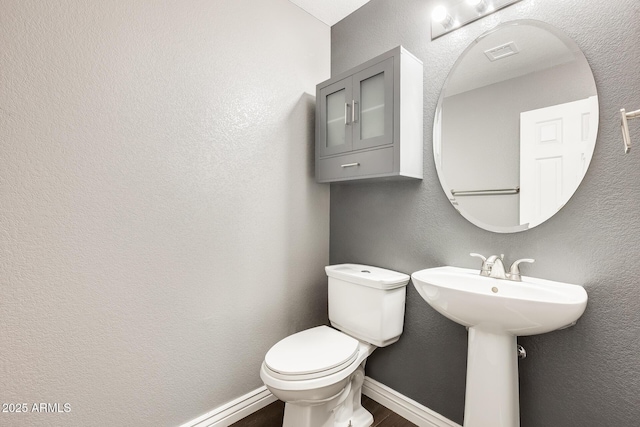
pixel 366 275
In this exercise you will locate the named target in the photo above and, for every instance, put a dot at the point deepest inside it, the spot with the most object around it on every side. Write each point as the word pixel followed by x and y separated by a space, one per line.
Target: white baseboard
pixel 257 399
pixel 403 406
pixel 235 410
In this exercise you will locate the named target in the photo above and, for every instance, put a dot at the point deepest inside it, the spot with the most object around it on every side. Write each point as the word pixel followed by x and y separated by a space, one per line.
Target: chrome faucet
pixel 494 267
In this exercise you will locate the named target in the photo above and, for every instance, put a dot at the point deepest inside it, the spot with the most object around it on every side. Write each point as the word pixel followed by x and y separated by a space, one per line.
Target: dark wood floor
pixel 271 416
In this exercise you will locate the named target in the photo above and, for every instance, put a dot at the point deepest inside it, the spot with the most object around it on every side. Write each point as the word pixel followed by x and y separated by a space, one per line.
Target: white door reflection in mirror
pixel 555 150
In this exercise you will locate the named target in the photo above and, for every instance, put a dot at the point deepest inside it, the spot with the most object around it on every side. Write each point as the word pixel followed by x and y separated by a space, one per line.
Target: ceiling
pixel 539 49
pixel 329 11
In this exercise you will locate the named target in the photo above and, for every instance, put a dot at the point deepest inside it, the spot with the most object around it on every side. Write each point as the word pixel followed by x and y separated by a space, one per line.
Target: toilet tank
pixel 367 302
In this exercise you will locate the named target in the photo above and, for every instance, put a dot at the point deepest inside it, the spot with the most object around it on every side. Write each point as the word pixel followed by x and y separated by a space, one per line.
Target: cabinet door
pixel 335 114
pixel 373 106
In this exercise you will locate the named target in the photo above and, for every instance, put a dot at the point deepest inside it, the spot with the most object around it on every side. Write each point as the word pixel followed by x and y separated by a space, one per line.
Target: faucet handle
pixel 514 271
pixel 484 271
pixel 482 257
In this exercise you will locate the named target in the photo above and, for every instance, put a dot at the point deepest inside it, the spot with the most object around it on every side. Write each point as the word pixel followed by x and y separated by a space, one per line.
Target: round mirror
pixel 515 127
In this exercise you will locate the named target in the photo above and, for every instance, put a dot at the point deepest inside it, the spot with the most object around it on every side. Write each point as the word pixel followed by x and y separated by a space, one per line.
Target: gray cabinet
pixel 369 120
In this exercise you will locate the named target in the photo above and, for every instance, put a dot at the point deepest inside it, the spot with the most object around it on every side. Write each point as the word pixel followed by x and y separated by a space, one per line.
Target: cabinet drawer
pixel 374 162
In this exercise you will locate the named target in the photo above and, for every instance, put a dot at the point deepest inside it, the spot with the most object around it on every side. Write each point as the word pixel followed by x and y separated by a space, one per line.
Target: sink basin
pixel 533 306
pixel 496 312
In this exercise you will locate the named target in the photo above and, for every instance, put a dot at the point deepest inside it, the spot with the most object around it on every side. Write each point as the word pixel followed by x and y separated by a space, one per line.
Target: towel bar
pixel 625 127
pixel 494 192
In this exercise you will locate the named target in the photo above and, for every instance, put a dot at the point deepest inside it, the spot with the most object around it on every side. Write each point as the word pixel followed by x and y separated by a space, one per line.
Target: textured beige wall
pixel 159 224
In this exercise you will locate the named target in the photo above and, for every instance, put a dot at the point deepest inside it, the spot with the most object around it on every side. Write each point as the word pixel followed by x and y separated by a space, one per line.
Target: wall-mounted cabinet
pixel 369 120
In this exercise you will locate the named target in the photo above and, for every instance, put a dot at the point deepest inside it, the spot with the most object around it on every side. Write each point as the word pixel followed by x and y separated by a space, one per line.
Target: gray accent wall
pixel 587 375
pixel 160 226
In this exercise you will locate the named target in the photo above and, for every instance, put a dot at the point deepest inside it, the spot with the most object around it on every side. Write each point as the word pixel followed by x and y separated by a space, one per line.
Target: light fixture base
pixel 463 13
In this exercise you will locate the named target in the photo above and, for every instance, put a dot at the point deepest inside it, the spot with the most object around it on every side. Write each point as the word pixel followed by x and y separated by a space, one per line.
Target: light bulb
pixel 439 13
pixel 441 16
pixel 480 5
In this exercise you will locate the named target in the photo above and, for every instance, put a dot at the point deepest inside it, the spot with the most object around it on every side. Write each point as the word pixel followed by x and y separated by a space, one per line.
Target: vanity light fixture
pixel 446 19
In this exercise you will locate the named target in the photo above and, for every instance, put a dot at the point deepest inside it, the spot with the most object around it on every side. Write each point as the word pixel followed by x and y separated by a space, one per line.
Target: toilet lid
pixel 314 351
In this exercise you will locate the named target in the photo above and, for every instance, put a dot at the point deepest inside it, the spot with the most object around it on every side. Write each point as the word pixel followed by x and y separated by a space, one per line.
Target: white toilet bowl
pixel 318 373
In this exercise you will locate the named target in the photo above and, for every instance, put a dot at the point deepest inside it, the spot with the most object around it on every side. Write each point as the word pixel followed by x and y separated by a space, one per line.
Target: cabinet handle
pixel 348 165
pixel 354 116
pixel 346 119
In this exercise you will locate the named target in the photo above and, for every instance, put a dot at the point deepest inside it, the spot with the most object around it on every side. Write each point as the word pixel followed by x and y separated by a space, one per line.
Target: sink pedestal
pixel 496 311
pixel 491 396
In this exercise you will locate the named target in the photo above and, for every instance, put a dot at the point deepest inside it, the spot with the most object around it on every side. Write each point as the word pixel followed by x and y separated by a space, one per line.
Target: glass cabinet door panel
pixel 372 106
pixel 336 118
pixel 334 114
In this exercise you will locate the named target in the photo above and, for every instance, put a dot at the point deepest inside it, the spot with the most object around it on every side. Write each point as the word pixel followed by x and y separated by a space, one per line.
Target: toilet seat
pixel 313 353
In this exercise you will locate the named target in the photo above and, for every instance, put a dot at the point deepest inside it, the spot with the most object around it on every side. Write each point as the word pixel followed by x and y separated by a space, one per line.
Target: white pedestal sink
pixel 496 312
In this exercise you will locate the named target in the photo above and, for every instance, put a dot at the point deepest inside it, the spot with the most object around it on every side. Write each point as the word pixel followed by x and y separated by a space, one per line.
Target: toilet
pixel 319 372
